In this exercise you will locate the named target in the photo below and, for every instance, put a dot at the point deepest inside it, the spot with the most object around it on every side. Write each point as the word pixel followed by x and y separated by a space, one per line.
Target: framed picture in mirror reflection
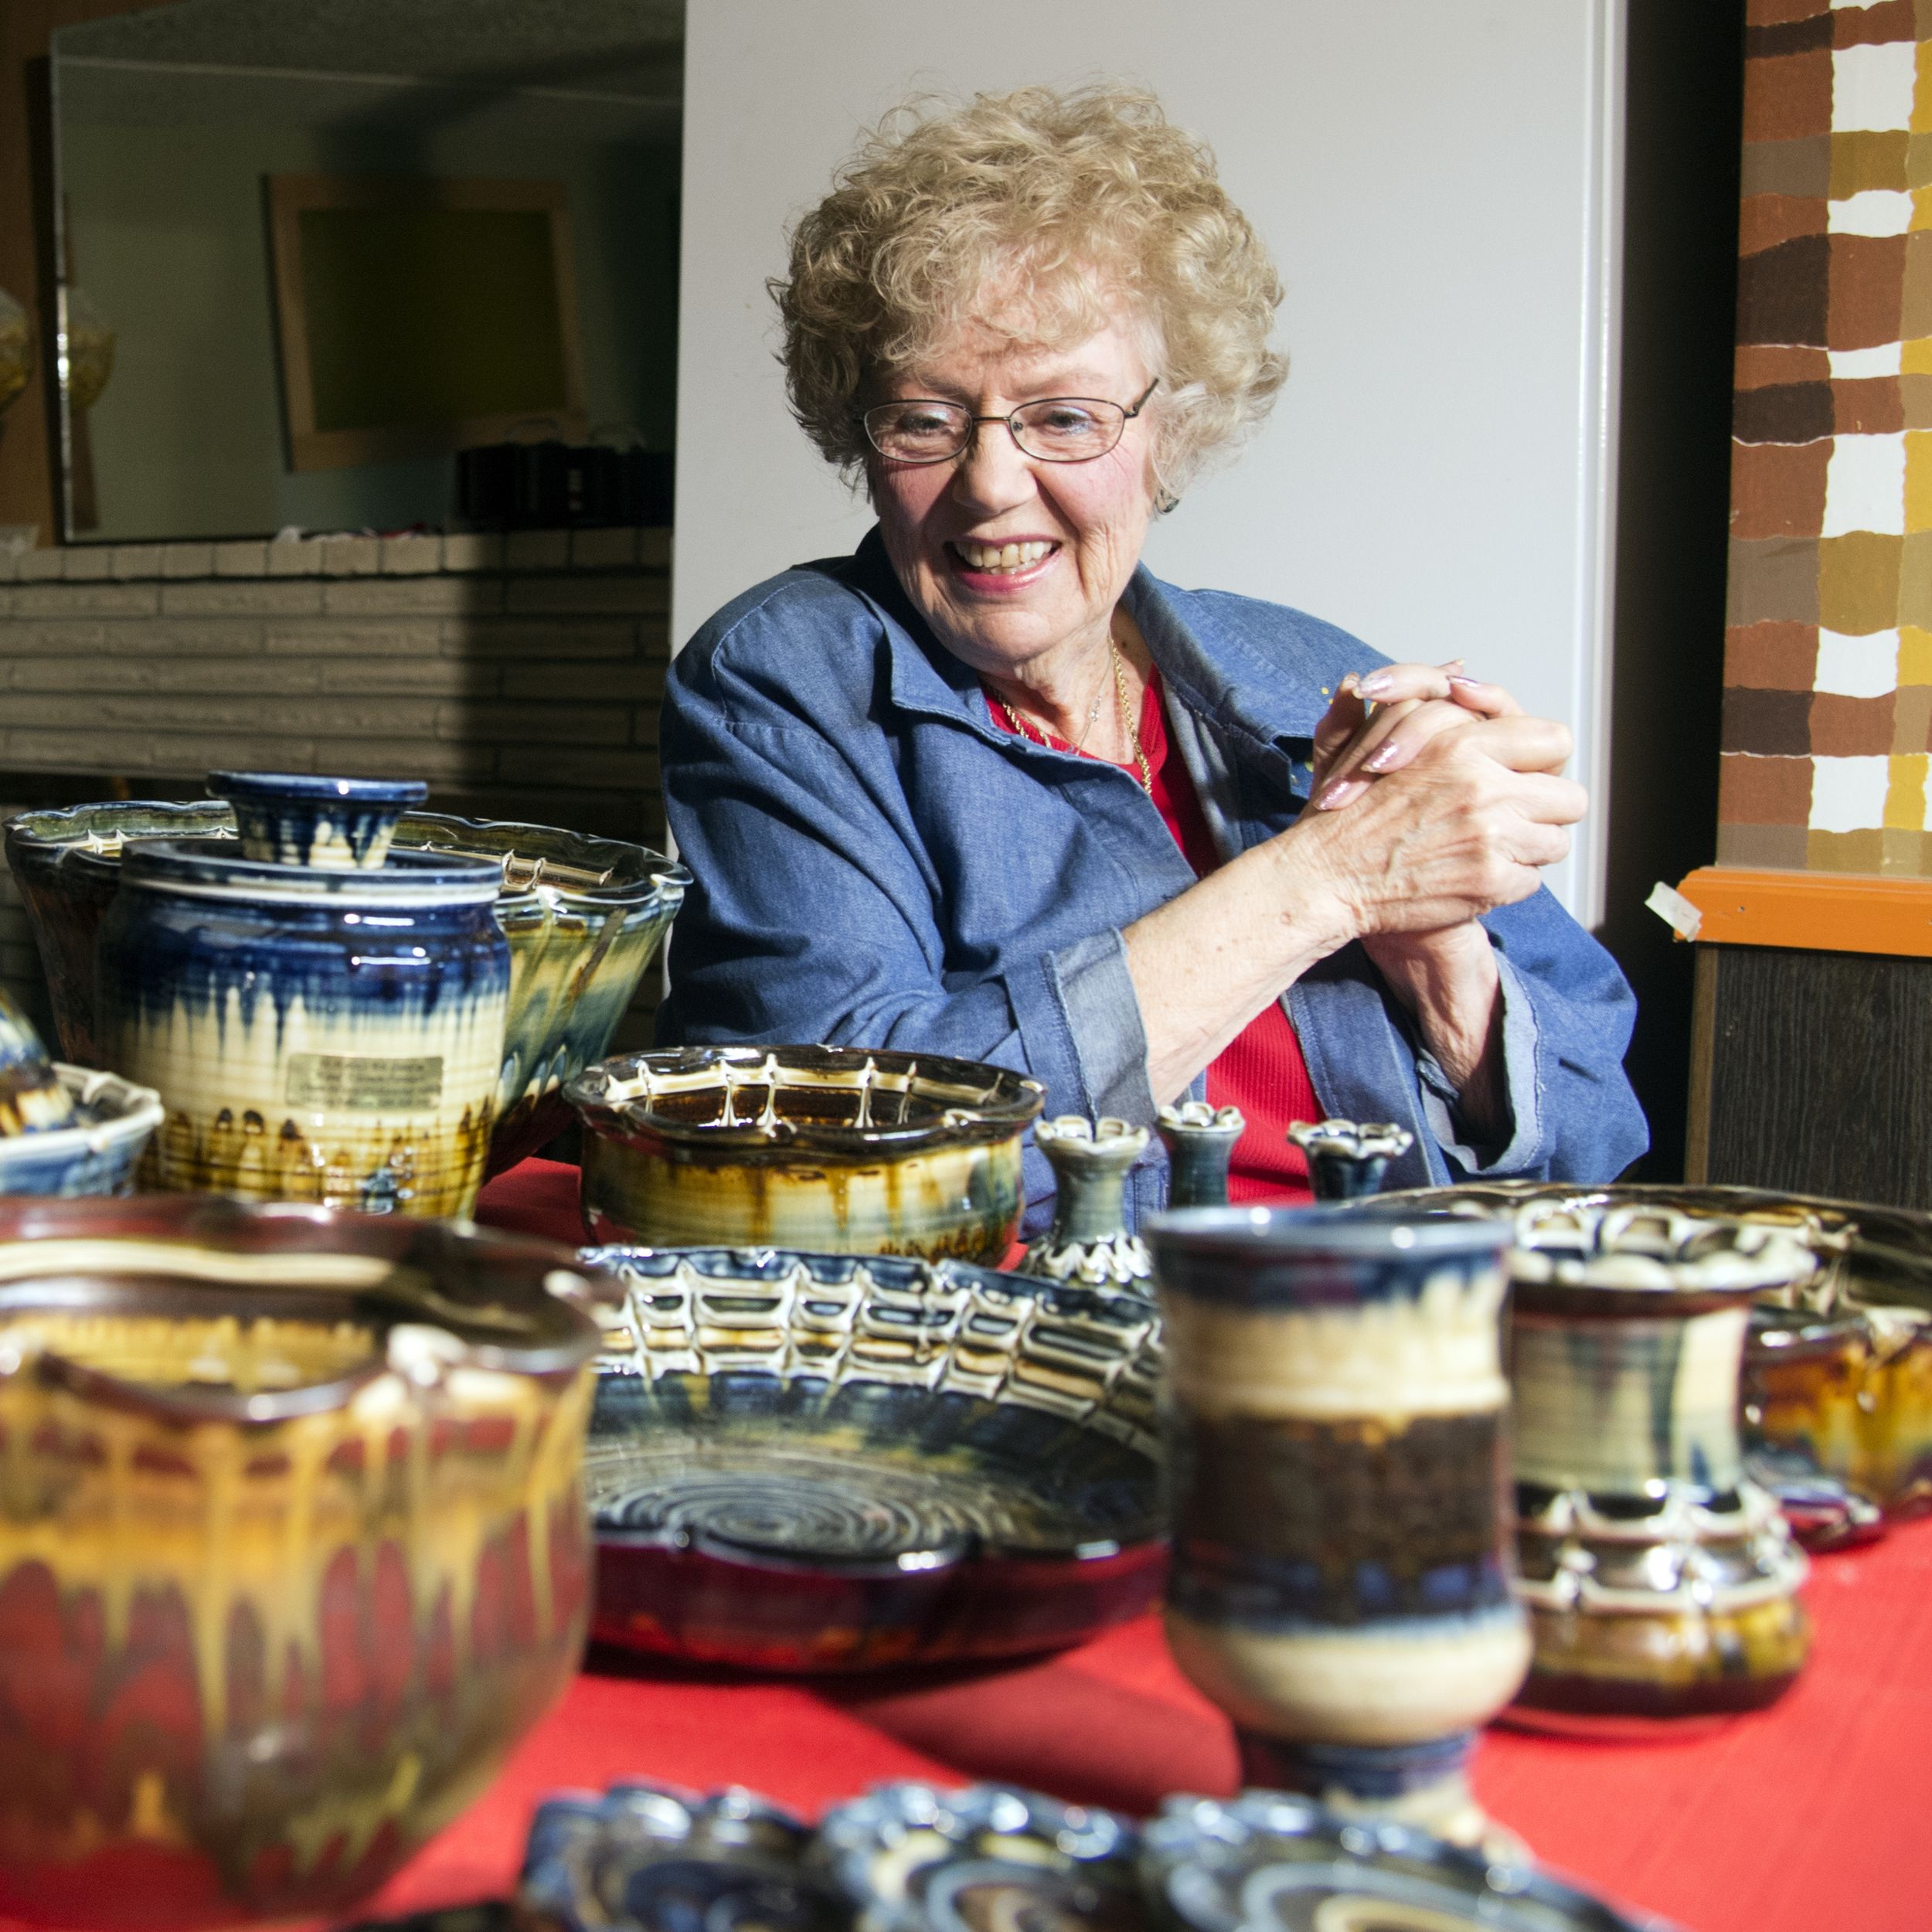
pixel 415 315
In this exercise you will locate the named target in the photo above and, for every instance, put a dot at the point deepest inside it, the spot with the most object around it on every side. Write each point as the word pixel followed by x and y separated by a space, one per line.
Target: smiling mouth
pixel 998 558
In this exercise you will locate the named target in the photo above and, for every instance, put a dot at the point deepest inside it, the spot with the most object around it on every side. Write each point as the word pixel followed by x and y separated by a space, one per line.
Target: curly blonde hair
pixel 1066 205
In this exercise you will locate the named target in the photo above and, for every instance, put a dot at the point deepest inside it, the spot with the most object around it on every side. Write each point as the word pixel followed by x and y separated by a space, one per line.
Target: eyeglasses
pixel 1057 429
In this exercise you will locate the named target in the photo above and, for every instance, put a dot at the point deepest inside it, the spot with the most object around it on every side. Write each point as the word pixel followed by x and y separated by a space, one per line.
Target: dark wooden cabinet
pixel 1812 1071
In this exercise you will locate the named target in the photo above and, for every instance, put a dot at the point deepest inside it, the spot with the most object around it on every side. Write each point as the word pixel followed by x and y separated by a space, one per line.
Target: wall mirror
pixel 308 248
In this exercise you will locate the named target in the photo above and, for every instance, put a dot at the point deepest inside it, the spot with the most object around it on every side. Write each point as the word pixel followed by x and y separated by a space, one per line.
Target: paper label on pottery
pixel 365 1083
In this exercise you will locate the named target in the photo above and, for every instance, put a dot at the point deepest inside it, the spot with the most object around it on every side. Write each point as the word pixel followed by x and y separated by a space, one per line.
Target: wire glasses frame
pixel 1057 429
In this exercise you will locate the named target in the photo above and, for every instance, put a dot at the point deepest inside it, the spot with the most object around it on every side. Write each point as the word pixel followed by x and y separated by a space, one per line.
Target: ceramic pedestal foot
pixel 1424 1786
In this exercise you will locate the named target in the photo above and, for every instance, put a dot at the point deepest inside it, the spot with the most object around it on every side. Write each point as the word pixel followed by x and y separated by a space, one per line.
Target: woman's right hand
pixel 1464 826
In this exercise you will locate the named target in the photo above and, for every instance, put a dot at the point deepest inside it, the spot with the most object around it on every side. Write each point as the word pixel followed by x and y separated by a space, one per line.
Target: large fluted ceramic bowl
pixel 583 917
pixel 819 1462
pixel 293 1546
pixel 842 1149
pixel 114 1121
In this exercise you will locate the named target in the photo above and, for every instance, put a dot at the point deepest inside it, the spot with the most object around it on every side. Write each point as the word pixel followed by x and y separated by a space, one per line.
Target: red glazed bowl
pixel 293 1546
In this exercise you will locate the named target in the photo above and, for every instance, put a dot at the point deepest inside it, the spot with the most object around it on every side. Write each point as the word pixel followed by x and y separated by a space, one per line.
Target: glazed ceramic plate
pixel 1267 1862
pixel 651 1858
pixel 911 1858
pixel 814 1462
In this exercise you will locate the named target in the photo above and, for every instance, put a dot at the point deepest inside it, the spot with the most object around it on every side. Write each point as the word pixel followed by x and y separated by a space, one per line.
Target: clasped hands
pixel 1436 799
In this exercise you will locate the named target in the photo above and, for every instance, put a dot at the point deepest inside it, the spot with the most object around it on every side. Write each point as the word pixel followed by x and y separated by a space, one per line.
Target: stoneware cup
pixel 1335 1416
pixel 1347 1159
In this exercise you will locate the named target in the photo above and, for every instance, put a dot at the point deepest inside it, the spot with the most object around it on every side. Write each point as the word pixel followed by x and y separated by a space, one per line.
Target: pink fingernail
pixel 1380 760
pixel 1334 797
pixel 1460 678
pixel 1374 684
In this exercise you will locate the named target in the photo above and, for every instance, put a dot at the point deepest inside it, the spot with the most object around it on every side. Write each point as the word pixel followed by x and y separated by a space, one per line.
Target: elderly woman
pixel 987 787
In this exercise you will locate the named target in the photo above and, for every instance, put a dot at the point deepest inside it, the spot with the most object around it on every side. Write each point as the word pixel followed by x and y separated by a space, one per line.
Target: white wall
pixel 1438 184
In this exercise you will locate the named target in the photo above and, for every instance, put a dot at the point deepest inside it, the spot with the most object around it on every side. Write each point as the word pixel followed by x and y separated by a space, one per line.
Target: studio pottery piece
pixel 1336 1426
pixel 1200 1141
pixel 1347 1159
pixel 912 1858
pixel 1268 1859
pixel 654 1858
pixel 840 1150
pixel 290 819
pixel 110 1123
pixel 318 1033
pixel 1088 1242
pixel 292 1548
pixel 1662 1580
pixel 32 1099
pixel 67 866
pixel 1836 1407
pixel 811 1462
pixel 583 917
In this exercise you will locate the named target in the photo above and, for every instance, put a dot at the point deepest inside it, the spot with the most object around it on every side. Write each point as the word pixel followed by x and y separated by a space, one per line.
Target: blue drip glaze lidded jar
pixel 1335 1416
pixel 317 1033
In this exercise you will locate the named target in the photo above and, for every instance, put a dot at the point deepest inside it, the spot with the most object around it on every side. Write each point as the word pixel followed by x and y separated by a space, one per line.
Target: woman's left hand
pixel 1447 977
pixel 1376 724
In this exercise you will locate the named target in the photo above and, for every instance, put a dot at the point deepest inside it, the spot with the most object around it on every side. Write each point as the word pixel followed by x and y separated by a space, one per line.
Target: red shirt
pixel 1261 1070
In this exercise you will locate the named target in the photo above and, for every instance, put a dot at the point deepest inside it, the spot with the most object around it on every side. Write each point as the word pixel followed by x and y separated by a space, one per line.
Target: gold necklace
pixel 1024 727
pixel 1130 728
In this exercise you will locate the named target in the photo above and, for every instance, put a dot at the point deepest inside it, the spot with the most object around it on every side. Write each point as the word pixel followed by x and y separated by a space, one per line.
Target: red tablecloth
pixel 1812 1815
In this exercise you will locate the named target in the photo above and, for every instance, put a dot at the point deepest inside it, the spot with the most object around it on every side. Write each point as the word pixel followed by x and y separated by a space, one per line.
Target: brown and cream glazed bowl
pixel 837 1150
pixel 293 1545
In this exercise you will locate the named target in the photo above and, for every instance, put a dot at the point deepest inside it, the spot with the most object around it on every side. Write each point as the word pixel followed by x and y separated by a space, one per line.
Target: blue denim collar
pixel 1275 712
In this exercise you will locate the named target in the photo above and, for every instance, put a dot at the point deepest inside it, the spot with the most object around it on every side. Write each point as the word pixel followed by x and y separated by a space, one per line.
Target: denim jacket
pixel 876 863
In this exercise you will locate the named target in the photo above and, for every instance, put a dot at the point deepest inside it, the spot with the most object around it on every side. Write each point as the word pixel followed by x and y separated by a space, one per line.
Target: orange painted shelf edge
pixel 1817 912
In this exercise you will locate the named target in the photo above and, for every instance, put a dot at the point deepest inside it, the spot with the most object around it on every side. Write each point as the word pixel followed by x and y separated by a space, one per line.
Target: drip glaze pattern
pixel 292 1547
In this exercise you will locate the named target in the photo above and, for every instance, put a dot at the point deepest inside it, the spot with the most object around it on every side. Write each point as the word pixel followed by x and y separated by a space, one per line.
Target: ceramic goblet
pixel 1662 1581
pixel 1335 1419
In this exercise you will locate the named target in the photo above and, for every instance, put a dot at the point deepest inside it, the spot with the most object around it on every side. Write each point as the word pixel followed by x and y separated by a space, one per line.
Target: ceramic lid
pixel 213 868
pixel 271 785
